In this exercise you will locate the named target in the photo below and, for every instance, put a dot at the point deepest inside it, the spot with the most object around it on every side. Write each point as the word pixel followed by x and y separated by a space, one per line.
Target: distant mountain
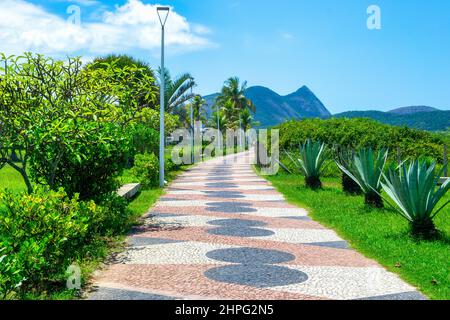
pixel 413 109
pixel 210 99
pixel 272 108
pixel 424 118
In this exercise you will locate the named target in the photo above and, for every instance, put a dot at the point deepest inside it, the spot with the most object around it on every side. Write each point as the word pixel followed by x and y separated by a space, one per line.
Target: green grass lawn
pixel 379 234
pixel 11 179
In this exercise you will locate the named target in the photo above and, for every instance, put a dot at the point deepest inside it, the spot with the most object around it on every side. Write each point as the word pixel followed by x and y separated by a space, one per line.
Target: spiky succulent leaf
pixel 364 169
pixel 312 158
pixel 413 188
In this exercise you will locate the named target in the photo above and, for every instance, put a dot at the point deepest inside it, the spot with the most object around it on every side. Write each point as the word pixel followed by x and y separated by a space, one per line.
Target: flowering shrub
pixel 146 169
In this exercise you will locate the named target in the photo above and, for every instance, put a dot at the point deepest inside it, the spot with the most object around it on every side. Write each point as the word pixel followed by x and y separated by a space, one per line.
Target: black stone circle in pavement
pixel 223 172
pixel 256 275
pixel 219 178
pixel 230 207
pixel 224 194
pixel 231 223
pixel 250 256
pixel 226 185
pixel 240 232
pixel 239 228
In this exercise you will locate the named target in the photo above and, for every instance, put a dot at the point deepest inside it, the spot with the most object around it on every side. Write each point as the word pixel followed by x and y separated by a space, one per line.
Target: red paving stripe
pixel 305 255
pixel 187 281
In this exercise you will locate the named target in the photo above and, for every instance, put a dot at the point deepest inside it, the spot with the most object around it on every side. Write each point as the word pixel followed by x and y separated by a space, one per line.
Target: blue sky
pixel 324 44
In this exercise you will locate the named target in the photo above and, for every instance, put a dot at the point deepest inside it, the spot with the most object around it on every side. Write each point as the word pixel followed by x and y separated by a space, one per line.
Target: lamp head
pixel 163 13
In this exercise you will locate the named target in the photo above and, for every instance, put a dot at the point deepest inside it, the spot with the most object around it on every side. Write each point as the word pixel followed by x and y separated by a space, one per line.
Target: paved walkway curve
pixel 222 232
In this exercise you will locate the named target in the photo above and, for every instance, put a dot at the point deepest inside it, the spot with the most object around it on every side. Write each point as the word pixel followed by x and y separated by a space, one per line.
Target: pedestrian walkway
pixel 223 232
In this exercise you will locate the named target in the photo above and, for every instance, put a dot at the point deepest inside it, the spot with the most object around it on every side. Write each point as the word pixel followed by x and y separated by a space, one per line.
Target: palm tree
pixel 222 119
pixel 177 91
pixel 230 115
pixel 233 100
pixel 197 105
pixel 247 119
pixel 125 61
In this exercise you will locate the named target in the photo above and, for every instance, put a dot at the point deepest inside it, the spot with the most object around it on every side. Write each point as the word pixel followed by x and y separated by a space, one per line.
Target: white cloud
pixel 133 26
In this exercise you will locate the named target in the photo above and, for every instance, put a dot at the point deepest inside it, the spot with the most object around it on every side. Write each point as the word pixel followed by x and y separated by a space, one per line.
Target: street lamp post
pixel 240 133
pixel 219 134
pixel 192 131
pixel 163 13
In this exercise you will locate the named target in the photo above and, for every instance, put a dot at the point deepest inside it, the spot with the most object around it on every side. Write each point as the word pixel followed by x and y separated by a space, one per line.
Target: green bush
pixel 112 216
pixel 146 169
pixel 150 118
pixel 144 140
pixel 43 233
pixel 40 235
pixel 86 161
pixel 169 165
pixel 10 273
pixel 68 123
pixel 362 133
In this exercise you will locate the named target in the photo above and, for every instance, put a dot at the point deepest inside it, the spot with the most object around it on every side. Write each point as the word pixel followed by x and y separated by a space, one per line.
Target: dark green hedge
pixel 357 133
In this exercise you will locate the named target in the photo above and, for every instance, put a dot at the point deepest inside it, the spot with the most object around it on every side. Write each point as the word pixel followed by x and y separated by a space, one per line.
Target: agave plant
pixel 345 156
pixel 366 170
pixel 413 188
pixel 311 162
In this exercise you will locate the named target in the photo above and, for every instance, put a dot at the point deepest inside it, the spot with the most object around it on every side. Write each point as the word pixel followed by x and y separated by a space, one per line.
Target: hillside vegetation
pixel 357 133
pixel 431 120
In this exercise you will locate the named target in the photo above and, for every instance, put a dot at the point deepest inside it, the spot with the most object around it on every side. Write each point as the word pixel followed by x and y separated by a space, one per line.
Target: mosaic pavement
pixel 222 232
